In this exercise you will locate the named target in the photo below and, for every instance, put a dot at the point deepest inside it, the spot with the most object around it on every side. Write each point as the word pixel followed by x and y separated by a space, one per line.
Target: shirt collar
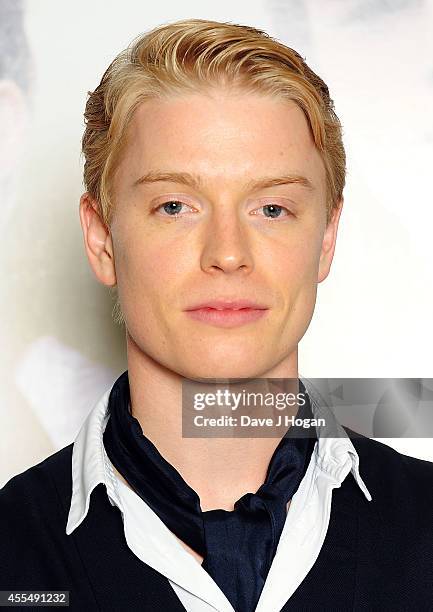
pixel 334 454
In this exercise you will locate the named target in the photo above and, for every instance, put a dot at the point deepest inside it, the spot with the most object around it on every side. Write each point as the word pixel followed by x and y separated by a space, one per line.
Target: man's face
pixel 230 239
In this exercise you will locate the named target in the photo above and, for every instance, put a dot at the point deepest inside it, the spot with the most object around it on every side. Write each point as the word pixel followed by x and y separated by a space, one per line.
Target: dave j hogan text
pixel 247 421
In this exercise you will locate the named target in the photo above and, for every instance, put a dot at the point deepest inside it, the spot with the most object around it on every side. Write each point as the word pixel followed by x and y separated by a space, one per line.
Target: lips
pixel 227 313
pixel 227 304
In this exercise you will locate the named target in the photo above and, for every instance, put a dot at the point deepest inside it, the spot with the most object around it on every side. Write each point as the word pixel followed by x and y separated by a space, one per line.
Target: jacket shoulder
pixel 395 480
pixel 32 494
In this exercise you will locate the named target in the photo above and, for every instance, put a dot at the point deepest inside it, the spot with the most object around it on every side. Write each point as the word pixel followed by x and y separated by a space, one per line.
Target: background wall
pixel 60 348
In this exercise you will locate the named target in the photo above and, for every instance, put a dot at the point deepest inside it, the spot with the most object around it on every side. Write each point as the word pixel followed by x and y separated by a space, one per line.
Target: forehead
pixel 222 136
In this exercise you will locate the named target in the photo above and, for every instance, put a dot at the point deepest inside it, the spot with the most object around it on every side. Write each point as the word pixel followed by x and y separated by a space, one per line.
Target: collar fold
pixel 334 454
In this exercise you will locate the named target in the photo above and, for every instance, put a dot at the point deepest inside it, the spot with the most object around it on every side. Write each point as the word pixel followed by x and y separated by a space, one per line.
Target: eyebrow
pixel 195 181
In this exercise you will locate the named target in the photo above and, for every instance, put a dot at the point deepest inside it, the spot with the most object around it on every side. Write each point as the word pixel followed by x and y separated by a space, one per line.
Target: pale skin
pixel 220 244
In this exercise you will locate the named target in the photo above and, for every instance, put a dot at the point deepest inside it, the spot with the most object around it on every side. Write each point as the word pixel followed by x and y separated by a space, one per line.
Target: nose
pixel 226 244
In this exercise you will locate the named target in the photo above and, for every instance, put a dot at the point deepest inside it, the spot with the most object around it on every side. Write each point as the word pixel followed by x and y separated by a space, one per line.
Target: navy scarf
pixel 238 546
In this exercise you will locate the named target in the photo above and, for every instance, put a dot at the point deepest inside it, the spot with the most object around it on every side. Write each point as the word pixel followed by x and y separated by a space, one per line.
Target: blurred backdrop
pixel 60 349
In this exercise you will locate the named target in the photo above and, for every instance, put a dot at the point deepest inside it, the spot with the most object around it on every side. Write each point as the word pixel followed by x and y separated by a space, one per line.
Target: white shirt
pixel 151 541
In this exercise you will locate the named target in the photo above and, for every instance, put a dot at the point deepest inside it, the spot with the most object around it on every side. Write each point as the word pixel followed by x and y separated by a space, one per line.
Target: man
pixel 214 173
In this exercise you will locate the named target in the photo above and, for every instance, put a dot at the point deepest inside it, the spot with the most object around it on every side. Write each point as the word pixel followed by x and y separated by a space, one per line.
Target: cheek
pixel 144 274
pixel 295 263
pixel 150 270
pixel 299 290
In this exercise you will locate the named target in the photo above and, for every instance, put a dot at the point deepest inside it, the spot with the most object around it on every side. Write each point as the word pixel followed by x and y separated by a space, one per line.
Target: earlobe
pixel 328 243
pixel 97 241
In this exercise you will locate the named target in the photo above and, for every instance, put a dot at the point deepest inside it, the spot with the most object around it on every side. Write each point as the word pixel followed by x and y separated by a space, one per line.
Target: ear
pixel 328 244
pixel 97 241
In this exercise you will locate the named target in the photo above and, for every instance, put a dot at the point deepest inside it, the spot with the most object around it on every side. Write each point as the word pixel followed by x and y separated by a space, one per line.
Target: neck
pixel 220 470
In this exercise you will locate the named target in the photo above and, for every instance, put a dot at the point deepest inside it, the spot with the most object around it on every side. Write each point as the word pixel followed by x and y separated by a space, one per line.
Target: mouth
pixel 227 317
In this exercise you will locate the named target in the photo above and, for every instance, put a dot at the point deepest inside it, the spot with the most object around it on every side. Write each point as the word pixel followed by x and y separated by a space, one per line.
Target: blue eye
pixel 274 210
pixel 172 207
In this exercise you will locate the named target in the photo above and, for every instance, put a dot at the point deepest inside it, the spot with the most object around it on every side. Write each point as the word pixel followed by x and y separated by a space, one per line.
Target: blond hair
pixel 191 55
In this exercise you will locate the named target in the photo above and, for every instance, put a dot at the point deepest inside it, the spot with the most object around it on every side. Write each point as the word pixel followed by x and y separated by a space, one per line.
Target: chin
pixel 230 368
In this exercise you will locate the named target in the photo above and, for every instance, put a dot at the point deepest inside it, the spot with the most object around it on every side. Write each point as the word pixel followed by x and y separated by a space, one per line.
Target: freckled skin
pixel 216 246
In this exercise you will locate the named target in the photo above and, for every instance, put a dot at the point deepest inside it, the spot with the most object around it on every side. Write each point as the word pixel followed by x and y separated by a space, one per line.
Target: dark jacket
pixel 377 555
